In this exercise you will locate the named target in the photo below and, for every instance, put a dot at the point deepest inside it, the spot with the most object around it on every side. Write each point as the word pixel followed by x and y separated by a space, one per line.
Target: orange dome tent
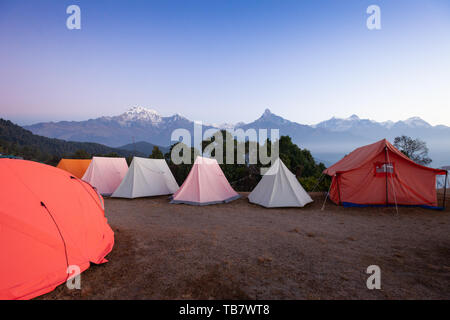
pixel 49 220
pixel 77 167
pixel 379 174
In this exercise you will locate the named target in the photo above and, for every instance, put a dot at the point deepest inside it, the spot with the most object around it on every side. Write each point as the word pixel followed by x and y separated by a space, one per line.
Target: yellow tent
pixel 77 167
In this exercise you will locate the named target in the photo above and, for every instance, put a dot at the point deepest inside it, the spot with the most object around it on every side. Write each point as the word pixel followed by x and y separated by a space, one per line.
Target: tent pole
pixel 339 189
pixel 392 182
pixel 445 187
pixel 385 167
pixel 323 206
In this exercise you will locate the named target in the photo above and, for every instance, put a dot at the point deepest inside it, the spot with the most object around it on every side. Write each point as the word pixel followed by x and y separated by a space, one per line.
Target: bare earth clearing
pixel 242 251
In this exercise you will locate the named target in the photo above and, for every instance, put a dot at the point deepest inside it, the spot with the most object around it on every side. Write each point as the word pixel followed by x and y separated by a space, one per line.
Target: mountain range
pixel 14 138
pixel 136 124
pixel 328 140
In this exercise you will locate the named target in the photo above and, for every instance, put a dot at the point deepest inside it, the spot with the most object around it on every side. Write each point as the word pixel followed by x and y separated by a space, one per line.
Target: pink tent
pixel 105 174
pixel 205 184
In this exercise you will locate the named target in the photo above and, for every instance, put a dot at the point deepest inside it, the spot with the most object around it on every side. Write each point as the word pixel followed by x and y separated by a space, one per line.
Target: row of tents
pixel 113 177
pixel 206 184
pixel 377 174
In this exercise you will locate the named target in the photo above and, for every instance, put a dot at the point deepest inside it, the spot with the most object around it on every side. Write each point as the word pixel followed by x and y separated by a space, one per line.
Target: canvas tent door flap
pixel 105 174
pixel 443 181
pixel 279 188
pixel 205 184
pixel 146 177
pixel 379 174
pixel 77 167
pixel 49 220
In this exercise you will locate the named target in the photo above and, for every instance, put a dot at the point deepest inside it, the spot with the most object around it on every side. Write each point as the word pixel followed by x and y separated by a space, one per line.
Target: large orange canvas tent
pixel 379 174
pixel 49 220
pixel 205 184
pixel 77 167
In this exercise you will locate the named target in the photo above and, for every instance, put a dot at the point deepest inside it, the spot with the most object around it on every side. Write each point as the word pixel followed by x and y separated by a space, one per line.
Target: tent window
pixel 381 168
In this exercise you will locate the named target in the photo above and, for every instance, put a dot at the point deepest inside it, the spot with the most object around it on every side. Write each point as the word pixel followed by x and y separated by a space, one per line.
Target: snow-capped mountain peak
pixel 176 117
pixel 415 122
pixel 339 124
pixel 137 113
pixel 352 122
pixel 353 117
pixel 222 126
pixel 269 117
pixel 387 124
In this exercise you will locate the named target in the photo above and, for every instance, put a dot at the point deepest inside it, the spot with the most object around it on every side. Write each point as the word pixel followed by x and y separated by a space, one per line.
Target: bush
pixel 315 184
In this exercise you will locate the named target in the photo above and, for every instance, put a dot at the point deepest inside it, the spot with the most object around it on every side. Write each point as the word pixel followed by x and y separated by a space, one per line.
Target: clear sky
pixel 225 60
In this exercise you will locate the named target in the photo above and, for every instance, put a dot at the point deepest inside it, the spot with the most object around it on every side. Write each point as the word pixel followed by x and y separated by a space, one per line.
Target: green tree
pixel 181 171
pixel 81 154
pixel 20 142
pixel 299 161
pixel 129 159
pixel 156 153
pixel 244 177
pixel 110 155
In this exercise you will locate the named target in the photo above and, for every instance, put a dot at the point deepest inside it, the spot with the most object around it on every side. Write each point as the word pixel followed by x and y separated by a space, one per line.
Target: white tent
pixel 279 188
pixel 146 177
pixel 105 173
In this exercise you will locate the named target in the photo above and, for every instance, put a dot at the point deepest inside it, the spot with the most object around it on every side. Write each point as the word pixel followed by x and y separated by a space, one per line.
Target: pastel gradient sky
pixel 225 60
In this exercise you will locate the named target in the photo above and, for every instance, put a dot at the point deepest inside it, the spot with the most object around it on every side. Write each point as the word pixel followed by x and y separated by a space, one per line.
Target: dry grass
pixel 242 251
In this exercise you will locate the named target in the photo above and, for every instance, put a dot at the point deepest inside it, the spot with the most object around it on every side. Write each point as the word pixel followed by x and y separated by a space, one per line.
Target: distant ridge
pixel 143 147
pixel 35 147
pixel 137 123
pixel 328 140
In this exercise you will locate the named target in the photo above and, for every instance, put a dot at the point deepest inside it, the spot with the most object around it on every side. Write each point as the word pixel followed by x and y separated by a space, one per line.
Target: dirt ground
pixel 242 251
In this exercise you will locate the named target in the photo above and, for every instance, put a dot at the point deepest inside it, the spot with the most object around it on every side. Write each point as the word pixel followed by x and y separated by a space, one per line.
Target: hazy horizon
pixel 225 61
